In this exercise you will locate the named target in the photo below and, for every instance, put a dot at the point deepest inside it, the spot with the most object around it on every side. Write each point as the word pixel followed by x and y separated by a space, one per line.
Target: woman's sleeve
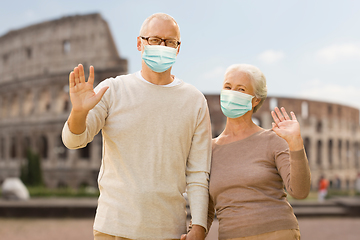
pixel 294 169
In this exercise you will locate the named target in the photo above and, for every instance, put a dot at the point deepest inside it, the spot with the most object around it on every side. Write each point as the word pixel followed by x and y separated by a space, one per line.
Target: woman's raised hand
pixel 82 95
pixel 288 129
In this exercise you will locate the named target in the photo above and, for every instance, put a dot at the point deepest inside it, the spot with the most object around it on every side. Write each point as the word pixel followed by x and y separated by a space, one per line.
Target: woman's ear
pixel 255 102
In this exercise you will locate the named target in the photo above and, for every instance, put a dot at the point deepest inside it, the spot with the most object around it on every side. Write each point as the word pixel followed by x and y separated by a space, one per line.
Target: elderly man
pixel 156 142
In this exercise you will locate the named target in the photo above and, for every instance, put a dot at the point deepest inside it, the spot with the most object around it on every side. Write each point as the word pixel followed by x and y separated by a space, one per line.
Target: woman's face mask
pixel 234 104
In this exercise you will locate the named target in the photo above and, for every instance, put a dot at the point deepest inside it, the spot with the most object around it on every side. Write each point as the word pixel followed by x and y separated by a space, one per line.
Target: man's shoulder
pixel 116 81
pixel 119 78
pixel 192 90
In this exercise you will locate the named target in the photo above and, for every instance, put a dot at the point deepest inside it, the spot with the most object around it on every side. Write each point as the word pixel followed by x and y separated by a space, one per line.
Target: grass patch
pixel 311 197
pixel 62 192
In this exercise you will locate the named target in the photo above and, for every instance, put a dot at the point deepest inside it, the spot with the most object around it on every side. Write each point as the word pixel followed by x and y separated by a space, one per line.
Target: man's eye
pixel 154 40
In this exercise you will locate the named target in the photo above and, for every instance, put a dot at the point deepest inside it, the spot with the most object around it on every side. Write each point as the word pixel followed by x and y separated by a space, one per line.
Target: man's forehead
pixel 160 27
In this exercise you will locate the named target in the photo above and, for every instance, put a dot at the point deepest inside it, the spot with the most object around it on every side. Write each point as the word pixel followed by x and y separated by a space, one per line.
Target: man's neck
pixel 163 78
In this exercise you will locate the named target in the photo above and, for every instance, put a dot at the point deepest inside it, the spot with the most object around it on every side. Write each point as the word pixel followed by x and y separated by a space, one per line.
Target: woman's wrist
pixel 296 143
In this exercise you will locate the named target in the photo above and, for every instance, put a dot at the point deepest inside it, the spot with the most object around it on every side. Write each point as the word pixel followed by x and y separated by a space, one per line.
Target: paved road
pixel 81 229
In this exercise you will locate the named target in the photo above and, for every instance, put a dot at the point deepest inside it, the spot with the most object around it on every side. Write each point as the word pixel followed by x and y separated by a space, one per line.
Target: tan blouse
pixel 247 183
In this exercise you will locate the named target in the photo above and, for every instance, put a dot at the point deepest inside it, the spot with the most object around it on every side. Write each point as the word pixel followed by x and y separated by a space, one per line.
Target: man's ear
pixel 178 49
pixel 139 44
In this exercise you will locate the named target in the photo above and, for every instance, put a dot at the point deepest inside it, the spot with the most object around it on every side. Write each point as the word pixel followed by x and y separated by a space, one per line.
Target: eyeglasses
pixel 157 41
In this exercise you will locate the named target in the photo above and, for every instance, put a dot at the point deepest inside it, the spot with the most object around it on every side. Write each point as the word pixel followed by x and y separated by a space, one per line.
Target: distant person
pixel 338 182
pixel 322 189
pixel 251 165
pixel 156 142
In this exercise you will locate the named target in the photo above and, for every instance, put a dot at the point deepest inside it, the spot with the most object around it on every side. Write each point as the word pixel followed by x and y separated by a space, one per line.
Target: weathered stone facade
pixel 35 62
pixel 331 134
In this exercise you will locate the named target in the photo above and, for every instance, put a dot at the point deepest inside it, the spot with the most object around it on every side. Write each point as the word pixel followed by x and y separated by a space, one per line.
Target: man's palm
pixel 82 94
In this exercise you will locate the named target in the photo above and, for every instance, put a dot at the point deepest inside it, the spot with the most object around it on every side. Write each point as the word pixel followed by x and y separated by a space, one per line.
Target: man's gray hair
pixel 164 16
pixel 257 78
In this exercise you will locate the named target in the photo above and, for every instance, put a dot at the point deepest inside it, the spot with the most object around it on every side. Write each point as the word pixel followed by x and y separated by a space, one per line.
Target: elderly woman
pixel 251 165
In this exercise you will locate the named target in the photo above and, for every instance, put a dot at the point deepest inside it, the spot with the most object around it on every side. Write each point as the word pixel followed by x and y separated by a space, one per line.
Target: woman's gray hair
pixel 257 78
pixel 163 16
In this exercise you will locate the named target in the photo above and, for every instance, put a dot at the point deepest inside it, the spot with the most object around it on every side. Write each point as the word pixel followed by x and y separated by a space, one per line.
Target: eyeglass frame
pixel 162 40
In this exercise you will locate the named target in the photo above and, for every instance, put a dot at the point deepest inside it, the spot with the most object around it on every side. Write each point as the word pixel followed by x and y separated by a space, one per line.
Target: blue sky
pixel 306 49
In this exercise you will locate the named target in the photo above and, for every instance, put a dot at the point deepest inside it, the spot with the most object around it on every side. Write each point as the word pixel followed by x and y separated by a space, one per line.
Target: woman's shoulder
pixel 274 140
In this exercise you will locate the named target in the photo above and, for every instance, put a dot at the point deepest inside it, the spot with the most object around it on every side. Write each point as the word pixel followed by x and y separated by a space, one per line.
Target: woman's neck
pixel 237 129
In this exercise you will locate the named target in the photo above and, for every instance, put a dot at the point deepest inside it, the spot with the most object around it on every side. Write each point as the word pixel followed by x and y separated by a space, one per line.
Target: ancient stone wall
pixel 35 62
pixel 331 134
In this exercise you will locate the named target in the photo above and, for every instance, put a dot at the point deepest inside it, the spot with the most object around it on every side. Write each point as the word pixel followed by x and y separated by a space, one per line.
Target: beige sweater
pixel 156 144
pixel 247 185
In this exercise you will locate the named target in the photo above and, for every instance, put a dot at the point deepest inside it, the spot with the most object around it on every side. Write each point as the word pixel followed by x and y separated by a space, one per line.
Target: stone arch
pixel 340 152
pixel 4 107
pixel 44 101
pixel 13 144
pixel 347 153
pixel 26 146
pixel 2 148
pixel 61 150
pixel 307 147
pixel 330 152
pixel 28 104
pixel 43 147
pixel 15 106
pixel 319 127
pixel 85 152
pixel 304 110
pixel 356 155
pixel 319 147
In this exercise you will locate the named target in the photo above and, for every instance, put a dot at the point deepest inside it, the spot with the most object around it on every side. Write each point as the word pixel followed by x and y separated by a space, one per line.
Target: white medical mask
pixel 159 58
pixel 234 104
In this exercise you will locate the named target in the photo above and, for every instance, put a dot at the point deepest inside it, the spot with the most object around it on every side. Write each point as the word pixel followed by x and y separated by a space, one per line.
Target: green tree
pixel 31 173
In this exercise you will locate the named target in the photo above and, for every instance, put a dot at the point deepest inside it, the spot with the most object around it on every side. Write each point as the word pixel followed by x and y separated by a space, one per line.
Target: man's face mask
pixel 159 58
pixel 234 104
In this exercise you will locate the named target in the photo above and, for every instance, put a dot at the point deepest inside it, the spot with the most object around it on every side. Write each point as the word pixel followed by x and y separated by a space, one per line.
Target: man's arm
pixel 197 173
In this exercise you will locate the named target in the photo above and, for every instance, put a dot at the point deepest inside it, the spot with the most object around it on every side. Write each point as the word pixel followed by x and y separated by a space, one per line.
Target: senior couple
pixel 157 145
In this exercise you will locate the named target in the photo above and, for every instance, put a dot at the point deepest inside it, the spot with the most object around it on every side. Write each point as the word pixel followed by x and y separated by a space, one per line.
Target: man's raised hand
pixel 82 95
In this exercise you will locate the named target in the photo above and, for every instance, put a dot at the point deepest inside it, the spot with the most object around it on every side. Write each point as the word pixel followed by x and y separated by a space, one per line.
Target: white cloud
pixel 317 90
pixel 271 56
pixel 337 52
pixel 216 73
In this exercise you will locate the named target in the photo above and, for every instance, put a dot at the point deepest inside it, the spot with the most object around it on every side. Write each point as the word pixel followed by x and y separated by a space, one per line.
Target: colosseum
pixel 34 104
pixel 35 62
pixel 330 131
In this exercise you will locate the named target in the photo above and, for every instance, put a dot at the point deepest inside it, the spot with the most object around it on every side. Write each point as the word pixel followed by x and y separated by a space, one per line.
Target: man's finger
pixel 91 75
pixel 81 73
pixel 76 72
pixel 71 80
pixel 101 93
